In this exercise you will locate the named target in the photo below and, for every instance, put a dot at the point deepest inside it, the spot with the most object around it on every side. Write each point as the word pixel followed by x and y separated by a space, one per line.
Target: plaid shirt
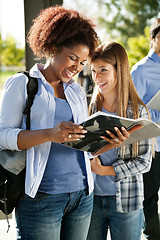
pixel 129 179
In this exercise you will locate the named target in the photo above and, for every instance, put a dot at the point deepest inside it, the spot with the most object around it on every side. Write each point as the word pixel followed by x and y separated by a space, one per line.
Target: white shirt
pixel 12 121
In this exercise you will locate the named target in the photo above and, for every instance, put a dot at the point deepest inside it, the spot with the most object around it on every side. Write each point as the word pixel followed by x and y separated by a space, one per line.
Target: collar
pixel 154 56
pixel 35 72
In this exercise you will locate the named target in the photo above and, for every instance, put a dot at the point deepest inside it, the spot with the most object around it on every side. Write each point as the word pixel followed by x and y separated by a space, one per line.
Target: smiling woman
pixel 118 172
pixel 55 174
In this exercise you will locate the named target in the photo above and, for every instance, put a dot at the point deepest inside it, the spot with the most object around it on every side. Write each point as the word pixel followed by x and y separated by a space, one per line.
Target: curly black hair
pixel 56 27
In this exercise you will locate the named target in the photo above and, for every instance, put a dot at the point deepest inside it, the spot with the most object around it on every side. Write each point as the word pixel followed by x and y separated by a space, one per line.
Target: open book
pixel 97 124
pixel 154 103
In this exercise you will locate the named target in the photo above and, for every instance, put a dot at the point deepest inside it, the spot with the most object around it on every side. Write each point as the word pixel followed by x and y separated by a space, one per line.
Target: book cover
pixel 97 124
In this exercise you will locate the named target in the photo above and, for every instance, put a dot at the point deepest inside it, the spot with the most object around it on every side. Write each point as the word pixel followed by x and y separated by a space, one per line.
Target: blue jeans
pixel 52 217
pixel 123 226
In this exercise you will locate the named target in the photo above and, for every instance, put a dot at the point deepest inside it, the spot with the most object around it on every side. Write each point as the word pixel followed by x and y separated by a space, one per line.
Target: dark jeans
pixel 151 188
pixel 64 216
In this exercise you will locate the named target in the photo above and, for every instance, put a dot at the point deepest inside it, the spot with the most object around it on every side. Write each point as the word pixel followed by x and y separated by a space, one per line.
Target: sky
pixel 12 20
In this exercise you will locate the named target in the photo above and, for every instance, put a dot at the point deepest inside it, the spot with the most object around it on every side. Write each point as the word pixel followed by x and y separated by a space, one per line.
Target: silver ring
pixel 116 139
pixel 69 135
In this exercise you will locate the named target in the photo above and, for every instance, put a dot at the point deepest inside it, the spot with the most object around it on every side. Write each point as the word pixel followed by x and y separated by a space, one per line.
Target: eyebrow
pixel 100 67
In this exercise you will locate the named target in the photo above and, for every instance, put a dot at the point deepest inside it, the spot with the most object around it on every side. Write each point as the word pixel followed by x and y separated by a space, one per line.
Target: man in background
pixel 146 77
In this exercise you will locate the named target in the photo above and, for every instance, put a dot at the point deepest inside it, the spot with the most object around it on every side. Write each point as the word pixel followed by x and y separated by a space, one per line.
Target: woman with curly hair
pixel 118 193
pixel 57 202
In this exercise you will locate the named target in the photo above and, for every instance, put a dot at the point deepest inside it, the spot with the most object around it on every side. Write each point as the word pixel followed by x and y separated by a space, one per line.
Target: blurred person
pixel 85 79
pixel 146 78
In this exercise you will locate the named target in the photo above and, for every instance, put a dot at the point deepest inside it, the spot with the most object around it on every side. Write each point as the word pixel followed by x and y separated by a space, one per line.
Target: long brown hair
pixel 116 55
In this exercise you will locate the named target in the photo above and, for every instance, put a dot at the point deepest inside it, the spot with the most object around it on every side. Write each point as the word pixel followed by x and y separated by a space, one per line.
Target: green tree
pixel 11 55
pixel 128 18
pixel 138 47
pixel 1 49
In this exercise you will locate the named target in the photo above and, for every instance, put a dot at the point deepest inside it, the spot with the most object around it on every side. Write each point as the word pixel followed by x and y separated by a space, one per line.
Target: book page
pixel 154 103
pixel 97 124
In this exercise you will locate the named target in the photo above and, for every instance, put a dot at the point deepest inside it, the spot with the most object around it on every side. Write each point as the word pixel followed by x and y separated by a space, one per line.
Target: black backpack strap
pixel 32 88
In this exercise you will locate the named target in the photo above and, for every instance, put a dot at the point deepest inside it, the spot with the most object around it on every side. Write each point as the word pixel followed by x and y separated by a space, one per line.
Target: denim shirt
pixel 12 121
pixel 146 78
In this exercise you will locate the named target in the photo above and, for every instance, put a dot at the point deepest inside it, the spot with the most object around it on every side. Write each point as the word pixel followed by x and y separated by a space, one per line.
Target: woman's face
pixel 69 61
pixel 105 76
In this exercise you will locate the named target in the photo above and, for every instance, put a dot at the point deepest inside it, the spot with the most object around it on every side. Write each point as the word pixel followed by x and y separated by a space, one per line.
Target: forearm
pixel 58 134
pixel 99 169
pixel 28 139
pixel 134 166
pixel 105 170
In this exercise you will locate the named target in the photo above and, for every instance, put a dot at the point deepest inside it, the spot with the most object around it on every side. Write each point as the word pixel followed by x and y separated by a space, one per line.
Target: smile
pixel 69 74
pixel 101 84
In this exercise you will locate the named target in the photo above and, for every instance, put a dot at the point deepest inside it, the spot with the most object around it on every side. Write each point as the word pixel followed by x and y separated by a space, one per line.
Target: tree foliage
pixel 138 47
pixel 11 55
pixel 128 18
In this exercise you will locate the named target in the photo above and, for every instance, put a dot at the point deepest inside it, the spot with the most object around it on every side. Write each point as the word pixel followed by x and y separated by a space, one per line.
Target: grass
pixel 4 76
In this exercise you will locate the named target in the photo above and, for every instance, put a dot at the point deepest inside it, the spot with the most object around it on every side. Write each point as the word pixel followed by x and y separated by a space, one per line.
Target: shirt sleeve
pixel 138 77
pixel 11 110
pixel 133 166
pixel 139 81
